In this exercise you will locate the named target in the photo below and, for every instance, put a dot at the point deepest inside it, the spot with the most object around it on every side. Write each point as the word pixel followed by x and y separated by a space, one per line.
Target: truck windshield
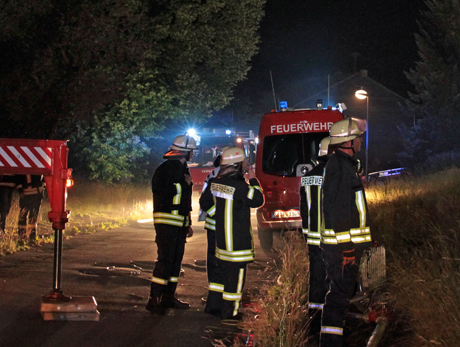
pixel 283 153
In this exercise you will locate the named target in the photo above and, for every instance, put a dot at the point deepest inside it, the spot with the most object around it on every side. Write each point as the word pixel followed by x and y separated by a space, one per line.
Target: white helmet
pixel 184 143
pixel 347 130
pixel 232 155
pixel 323 146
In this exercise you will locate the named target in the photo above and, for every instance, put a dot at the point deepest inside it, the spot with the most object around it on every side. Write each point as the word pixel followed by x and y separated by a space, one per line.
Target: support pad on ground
pixel 69 308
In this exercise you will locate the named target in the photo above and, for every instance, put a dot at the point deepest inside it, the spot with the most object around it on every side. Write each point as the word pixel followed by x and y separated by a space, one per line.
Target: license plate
pixel 286 214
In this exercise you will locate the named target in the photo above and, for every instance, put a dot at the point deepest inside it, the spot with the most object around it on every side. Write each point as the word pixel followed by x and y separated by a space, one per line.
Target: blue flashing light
pixel 228 132
pixel 283 105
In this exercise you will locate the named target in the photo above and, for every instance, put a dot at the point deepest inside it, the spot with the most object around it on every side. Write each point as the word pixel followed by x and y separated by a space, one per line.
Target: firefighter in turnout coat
pixel 229 199
pixel 310 210
pixel 172 201
pixel 345 232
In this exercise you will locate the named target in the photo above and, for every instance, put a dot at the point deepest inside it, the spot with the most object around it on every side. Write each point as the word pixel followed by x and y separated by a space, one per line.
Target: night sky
pixel 304 39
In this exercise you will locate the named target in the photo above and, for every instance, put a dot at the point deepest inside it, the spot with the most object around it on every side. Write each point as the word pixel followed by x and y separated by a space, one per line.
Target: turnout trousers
pixel 342 282
pixel 317 289
pixel 215 278
pixel 233 278
pixel 170 242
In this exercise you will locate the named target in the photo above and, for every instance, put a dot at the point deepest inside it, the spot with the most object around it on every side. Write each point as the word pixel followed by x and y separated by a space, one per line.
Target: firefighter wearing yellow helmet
pixel 310 212
pixel 228 198
pixel 345 231
pixel 172 204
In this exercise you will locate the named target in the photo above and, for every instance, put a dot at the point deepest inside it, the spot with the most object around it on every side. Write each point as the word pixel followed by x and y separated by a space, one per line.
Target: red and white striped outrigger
pixel 41 157
pixel 49 158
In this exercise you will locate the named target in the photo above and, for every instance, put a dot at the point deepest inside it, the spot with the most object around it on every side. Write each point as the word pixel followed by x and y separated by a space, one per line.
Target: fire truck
pixel 210 142
pixel 288 145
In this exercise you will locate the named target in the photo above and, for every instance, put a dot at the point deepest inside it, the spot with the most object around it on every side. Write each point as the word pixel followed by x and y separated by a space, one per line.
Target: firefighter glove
pixel 349 257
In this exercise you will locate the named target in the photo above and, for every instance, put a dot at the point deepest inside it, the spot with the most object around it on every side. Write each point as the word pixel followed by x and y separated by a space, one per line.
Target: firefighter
pixel 229 199
pixel 172 199
pixel 213 271
pixel 31 190
pixel 345 231
pixel 8 183
pixel 310 210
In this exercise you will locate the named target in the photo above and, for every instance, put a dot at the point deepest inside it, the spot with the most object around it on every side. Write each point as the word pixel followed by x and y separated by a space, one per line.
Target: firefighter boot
pixel 170 301
pixel 155 306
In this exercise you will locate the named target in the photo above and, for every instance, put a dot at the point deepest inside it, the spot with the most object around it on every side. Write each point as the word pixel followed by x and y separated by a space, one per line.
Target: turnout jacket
pixel 229 200
pixel 172 196
pixel 346 221
pixel 310 204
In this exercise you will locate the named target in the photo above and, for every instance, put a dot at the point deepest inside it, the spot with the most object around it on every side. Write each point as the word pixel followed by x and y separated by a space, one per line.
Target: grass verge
pixel 418 221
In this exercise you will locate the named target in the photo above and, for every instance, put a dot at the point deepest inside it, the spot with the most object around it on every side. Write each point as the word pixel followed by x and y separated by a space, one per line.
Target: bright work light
pixel 191 132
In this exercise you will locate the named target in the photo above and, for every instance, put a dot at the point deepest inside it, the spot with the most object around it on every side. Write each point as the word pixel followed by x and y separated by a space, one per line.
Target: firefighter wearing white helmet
pixel 345 230
pixel 172 204
pixel 229 199
pixel 310 211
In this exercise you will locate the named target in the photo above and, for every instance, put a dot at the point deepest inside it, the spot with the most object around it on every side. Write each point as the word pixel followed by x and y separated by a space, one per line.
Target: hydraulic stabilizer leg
pixel 57 261
pixel 57 268
pixel 57 306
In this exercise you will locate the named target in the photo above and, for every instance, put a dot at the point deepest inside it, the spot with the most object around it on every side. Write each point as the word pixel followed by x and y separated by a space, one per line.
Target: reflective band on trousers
pixel 163 281
pixel 235 256
pixel 232 296
pixel 239 289
pixel 332 330
pixel 159 280
pixel 216 287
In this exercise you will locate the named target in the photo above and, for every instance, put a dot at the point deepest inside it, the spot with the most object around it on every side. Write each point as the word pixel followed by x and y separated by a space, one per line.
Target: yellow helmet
pixel 347 130
pixel 184 143
pixel 323 146
pixel 232 155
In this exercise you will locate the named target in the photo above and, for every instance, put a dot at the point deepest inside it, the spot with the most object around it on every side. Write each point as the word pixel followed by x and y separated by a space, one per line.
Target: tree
pixel 436 79
pixel 80 66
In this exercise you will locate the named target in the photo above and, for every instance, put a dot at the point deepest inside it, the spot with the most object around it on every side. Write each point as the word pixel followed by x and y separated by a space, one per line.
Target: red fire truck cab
pixel 210 142
pixel 288 145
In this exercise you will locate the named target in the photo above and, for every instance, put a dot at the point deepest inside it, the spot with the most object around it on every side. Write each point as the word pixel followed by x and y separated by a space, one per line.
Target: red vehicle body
pixel 288 145
pixel 210 143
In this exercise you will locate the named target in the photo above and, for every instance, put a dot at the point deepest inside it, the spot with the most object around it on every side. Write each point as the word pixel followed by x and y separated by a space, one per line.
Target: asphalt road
pixel 114 267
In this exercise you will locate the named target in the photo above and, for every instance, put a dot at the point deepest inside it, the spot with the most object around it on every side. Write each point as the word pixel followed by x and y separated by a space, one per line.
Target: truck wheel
pixel 266 239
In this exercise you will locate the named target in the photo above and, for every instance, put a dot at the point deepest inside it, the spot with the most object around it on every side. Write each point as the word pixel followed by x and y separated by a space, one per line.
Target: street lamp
pixel 362 94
